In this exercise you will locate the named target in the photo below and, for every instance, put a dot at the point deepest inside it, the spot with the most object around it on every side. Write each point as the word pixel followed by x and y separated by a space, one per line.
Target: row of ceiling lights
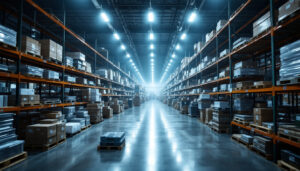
pixel 106 19
pixel 183 36
pixel 151 18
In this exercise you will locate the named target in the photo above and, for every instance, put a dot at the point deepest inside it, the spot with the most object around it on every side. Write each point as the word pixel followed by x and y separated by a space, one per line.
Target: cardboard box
pixel 210 35
pixel 208 115
pixel 30 45
pixel 48 121
pixel 60 131
pixel 54 115
pixel 41 134
pixel 262 24
pixel 107 112
pixel 220 24
pixel 288 8
pixel 262 115
pixel 116 108
pixel 48 49
pixel 76 55
pixel 59 50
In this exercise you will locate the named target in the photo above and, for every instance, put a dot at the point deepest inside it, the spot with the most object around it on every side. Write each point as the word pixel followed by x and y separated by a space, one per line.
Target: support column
pixel 19 45
pixel 63 52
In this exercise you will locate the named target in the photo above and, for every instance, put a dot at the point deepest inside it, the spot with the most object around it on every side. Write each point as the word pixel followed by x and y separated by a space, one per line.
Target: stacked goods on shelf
pixel 95 111
pixel 23 119
pixel 221 116
pixel 209 36
pixel 290 62
pixel 81 121
pixel 9 145
pixel 27 98
pixel 69 78
pixel 243 85
pixel 3 98
pixel 41 135
pixel 110 74
pixel 261 24
pixel 198 46
pixel 220 25
pixel 69 61
pixel 51 50
pixel 88 67
pixel 30 45
pixel 289 131
pixel 91 95
pixel 130 103
pixel 115 105
pixel 60 128
pixel 240 41
pixel 112 139
pixel 193 109
pixel 70 99
pixel 245 69
pixel 262 144
pixel 261 115
pixel 243 107
pixel 224 73
pixel 78 60
pixel 287 9
pixel 107 112
pixel 51 75
pixel 81 80
pixel 32 71
pixel 184 106
pixel 204 102
pixel 102 72
pixel 223 53
pixel 291 158
pixel 8 36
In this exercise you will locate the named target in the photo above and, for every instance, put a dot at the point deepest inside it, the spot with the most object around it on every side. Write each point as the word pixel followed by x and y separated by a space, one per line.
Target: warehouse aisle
pixel 157 138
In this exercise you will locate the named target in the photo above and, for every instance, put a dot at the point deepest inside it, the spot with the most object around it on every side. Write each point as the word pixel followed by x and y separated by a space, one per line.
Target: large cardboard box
pixel 220 24
pixel 288 8
pixel 107 112
pixel 116 108
pixel 53 115
pixel 262 115
pixel 208 115
pixel 30 45
pixel 59 51
pixel 48 49
pixel 60 131
pixel 262 24
pixel 48 121
pixel 41 134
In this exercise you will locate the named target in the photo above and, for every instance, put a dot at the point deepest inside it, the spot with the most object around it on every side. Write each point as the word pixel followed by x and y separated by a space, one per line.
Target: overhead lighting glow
pixel 151 36
pixel 169 64
pixel 151 54
pixel 183 36
pixel 171 60
pixel 192 17
pixel 150 16
pixel 177 47
pixel 104 17
pixel 152 60
pixel 173 55
pixel 151 46
pixel 130 60
pixel 116 36
pixel 123 47
pixel 128 55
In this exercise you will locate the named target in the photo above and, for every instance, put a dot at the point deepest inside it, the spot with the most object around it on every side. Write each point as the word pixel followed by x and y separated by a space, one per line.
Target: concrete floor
pixel 157 138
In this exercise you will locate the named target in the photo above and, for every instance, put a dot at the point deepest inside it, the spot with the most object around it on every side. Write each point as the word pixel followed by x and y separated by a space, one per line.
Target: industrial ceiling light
pixel 130 60
pixel 171 60
pixel 151 46
pixel 177 47
pixel 151 54
pixel 128 55
pixel 152 60
pixel 183 36
pixel 150 16
pixel 173 55
pixel 123 47
pixel 151 36
pixel 192 17
pixel 169 64
pixel 116 35
pixel 104 17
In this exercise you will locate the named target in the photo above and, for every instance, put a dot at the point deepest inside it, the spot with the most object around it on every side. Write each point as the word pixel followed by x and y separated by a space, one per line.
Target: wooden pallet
pixel 13 160
pixel 44 147
pixel 262 128
pixel 70 101
pixel 266 156
pixel 72 135
pixel 7 46
pixel 237 139
pixel 111 147
pixel 242 88
pixel 261 86
pixel 285 166
pixel 35 55
pixel 86 127
pixel 241 122
pixel 290 137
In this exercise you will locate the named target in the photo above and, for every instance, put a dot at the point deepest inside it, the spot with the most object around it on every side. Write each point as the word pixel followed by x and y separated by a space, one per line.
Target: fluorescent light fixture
pixel 183 36
pixel 116 35
pixel 128 55
pixel 132 64
pixel 152 64
pixel 104 17
pixel 177 47
pixel 171 60
pixel 123 47
pixel 173 55
pixel 152 60
pixel 130 60
pixel 151 46
pixel 151 16
pixel 169 64
pixel 151 54
pixel 151 36
pixel 192 17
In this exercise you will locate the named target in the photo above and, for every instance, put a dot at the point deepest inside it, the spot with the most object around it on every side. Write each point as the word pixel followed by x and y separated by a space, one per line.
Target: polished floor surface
pixel 157 138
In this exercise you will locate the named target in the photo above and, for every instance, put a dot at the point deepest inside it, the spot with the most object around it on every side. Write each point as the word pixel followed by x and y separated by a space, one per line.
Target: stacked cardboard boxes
pixel 50 50
pixel 95 112
pixel 8 36
pixel 107 112
pixel 30 45
pixel 261 115
pixel 41 134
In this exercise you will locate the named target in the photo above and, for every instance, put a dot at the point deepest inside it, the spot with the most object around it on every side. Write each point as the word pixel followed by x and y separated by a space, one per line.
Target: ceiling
pixel 129 19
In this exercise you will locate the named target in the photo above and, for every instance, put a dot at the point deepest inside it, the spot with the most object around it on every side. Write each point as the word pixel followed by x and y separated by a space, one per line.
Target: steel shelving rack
pixel 264 42
pixel 20 57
